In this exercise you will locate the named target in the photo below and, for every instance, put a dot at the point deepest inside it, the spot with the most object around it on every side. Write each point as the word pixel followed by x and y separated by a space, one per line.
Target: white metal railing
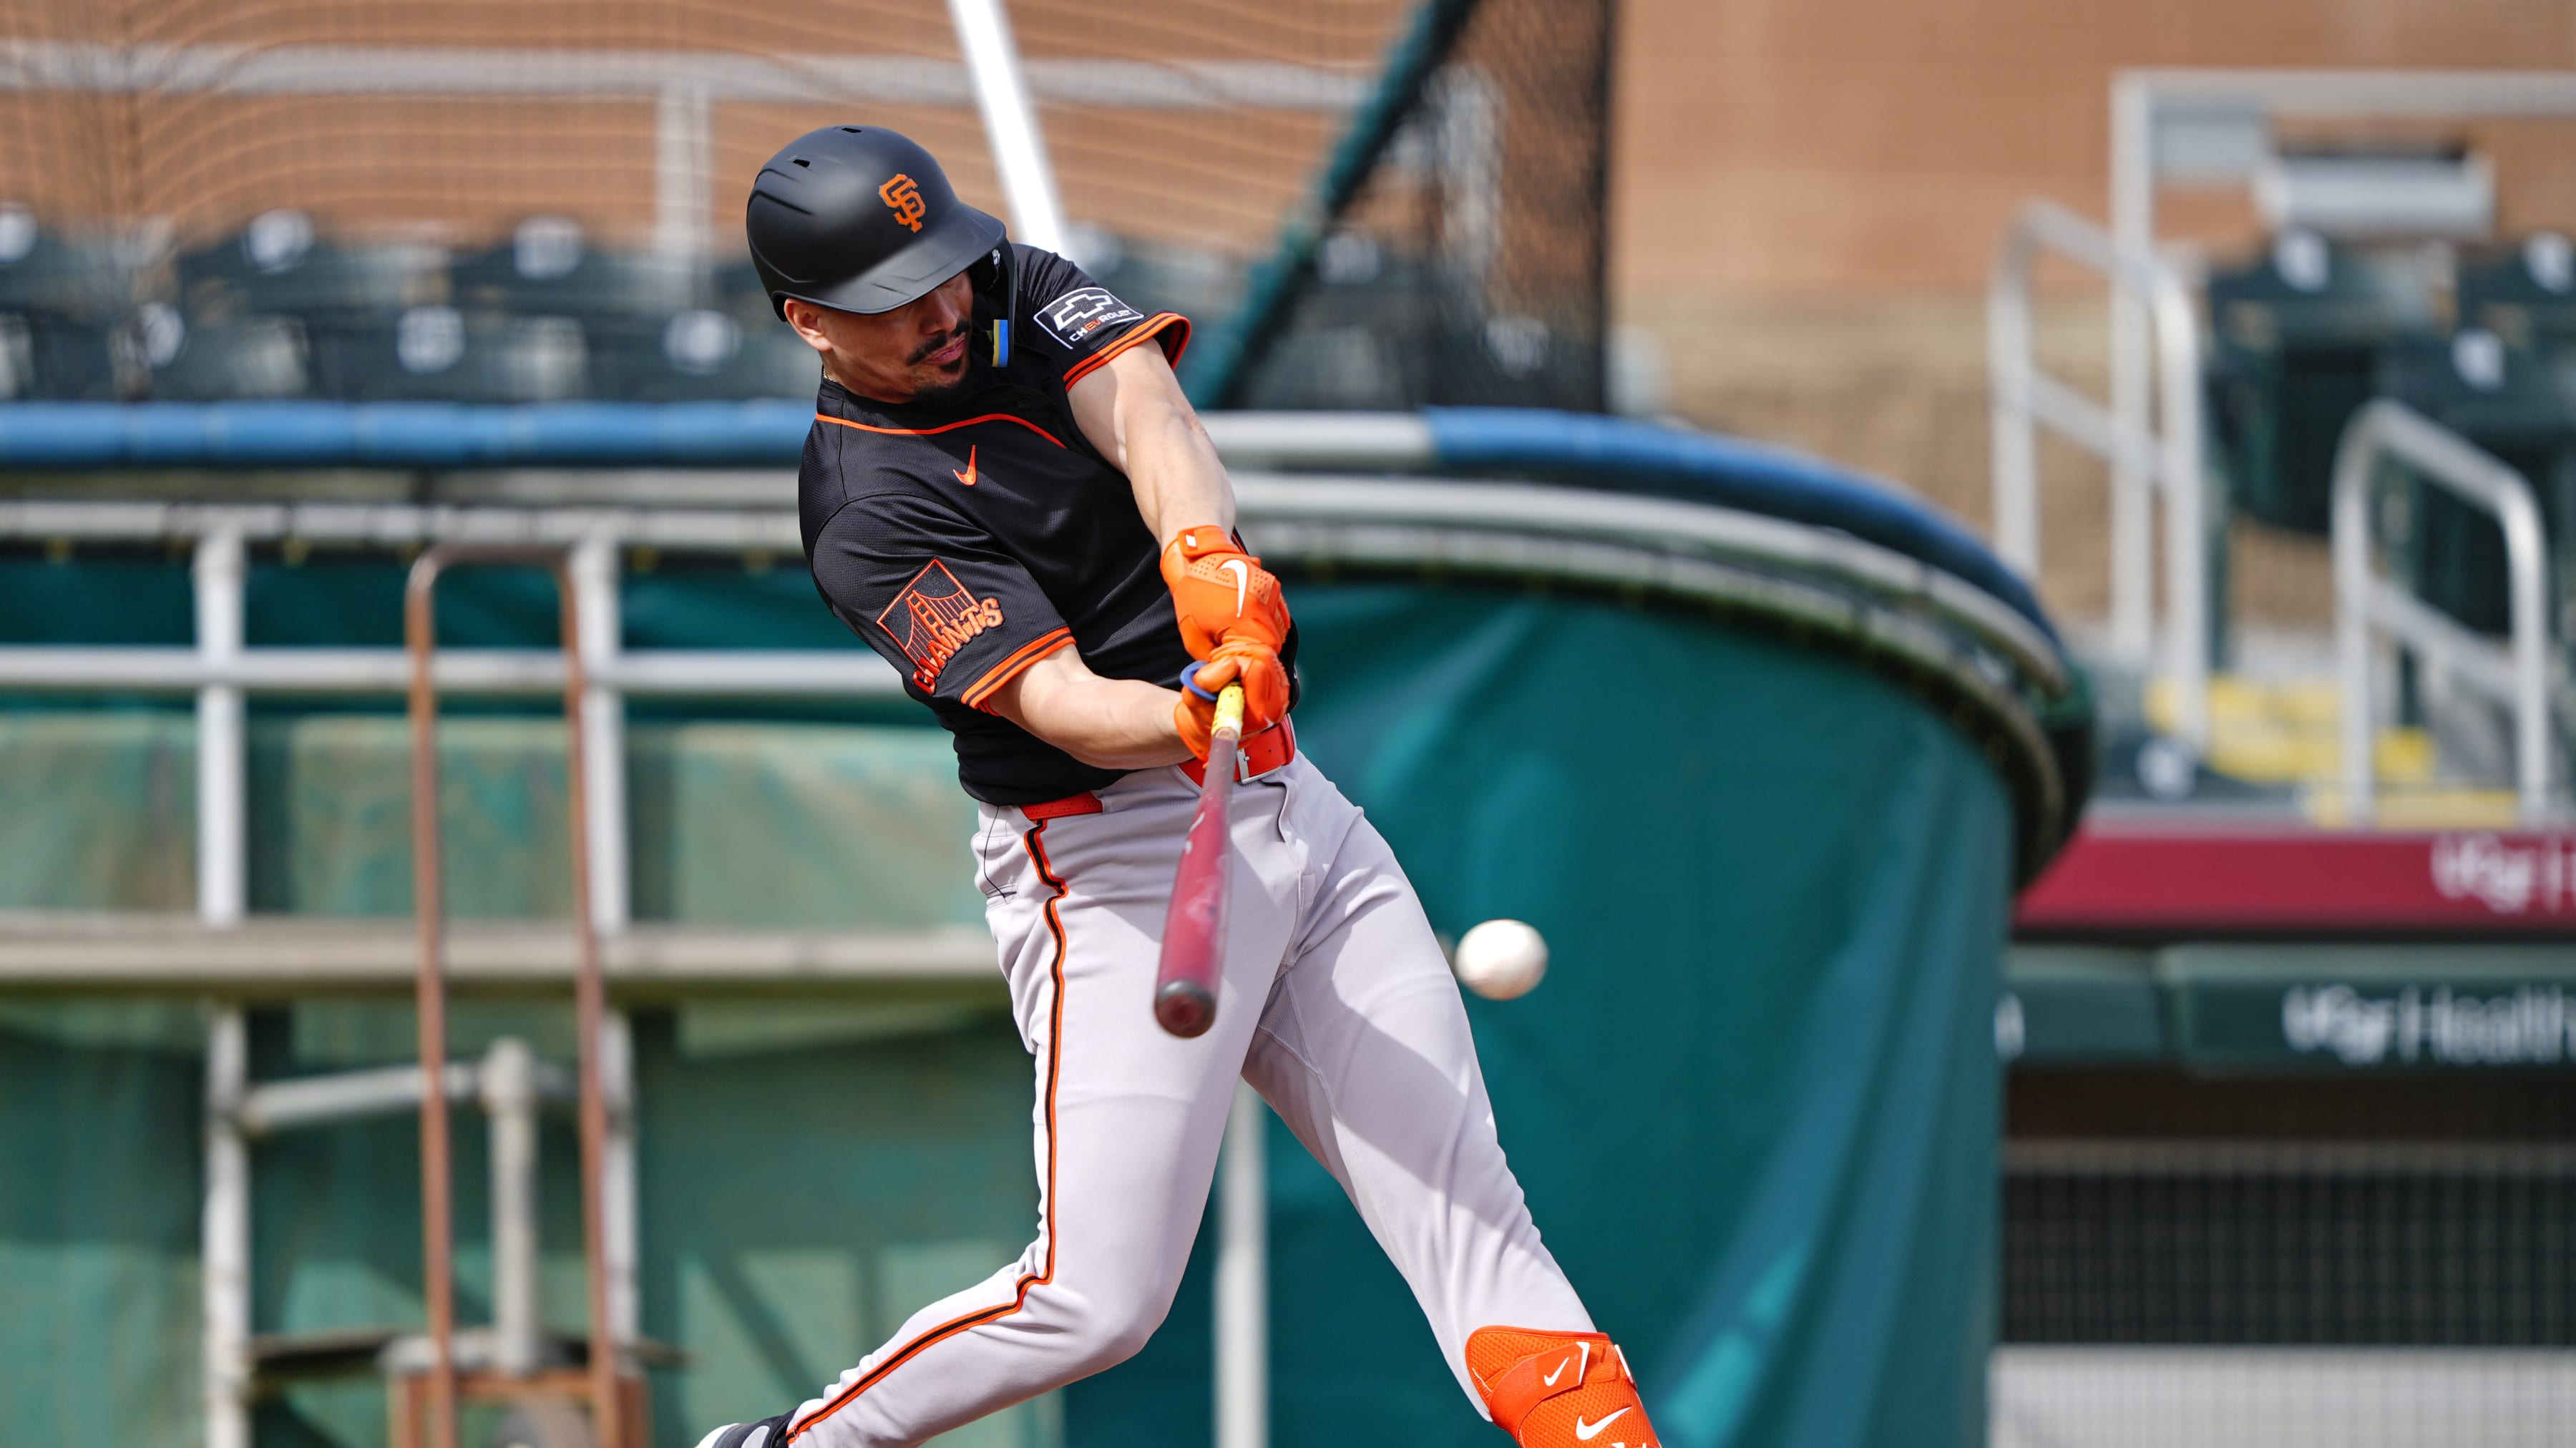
pixel 2024 399
pixel 2515 674
pixel 2215 127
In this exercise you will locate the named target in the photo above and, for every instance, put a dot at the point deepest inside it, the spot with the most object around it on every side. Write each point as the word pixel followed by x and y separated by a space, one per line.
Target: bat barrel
pixel 1193 960
pixel 1185 1008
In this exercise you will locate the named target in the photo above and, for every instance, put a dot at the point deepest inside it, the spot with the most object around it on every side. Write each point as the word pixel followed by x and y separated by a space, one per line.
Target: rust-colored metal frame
pixel 590 995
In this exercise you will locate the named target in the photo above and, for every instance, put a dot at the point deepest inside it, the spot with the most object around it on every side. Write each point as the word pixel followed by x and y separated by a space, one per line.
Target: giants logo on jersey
pixel 933 618
pixel 1077 315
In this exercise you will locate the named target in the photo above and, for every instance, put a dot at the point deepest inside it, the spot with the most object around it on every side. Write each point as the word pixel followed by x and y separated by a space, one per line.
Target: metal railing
pixel 605 1378
pixel 509 1083
pixel 2024 399
pixel 2515 674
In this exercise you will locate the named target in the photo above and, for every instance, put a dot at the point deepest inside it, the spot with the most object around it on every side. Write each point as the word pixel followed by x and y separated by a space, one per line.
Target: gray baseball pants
pixel 1336 1006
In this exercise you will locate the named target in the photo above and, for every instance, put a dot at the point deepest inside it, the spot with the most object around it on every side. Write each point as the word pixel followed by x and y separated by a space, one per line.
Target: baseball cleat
pixel 1558 1389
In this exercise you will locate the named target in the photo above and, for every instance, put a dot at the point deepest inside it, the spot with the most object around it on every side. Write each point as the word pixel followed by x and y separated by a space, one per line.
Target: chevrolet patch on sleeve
pixel 1078 316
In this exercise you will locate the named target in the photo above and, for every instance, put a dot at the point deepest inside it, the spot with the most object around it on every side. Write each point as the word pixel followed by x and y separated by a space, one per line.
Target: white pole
pixel 1010 121
pixel 509 1082
pixel 224 1270
pixel 2133 193
pixel 618 1225
pixel 1243 1279
pixel 2187 601
pixel 603 726
pixel 222 812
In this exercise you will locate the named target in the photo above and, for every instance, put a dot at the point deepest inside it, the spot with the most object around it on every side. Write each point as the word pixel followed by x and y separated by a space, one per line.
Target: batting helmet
pixel 860 219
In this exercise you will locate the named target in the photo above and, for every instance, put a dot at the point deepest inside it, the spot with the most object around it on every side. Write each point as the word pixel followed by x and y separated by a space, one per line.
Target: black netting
pixel 1468 268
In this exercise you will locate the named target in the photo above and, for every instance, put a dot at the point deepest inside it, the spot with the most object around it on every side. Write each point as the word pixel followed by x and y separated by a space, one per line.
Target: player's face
pixel 911 354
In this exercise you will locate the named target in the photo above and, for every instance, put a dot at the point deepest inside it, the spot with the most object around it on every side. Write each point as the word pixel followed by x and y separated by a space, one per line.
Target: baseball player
pixel 1005 494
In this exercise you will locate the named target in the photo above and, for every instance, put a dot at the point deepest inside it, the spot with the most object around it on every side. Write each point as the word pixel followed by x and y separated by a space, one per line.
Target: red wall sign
pixel 2125 878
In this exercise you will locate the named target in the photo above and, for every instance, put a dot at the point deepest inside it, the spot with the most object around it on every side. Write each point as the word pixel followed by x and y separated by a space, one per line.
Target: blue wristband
pixel 1190 680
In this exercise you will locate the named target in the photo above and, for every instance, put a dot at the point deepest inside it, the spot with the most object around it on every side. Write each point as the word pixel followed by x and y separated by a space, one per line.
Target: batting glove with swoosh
pixel 1265 692
pixel 1222 593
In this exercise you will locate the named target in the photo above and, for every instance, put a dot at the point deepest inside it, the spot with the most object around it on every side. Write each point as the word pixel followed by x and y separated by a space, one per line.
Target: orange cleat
pixel 1558 1389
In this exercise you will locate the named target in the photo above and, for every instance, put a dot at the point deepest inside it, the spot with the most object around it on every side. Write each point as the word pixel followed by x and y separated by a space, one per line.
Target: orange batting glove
pixel 1222 594
pixel 1265 692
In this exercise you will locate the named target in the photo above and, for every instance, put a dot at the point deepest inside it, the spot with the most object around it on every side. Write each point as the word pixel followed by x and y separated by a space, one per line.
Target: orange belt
pixel 1260 754
pixel 1056 809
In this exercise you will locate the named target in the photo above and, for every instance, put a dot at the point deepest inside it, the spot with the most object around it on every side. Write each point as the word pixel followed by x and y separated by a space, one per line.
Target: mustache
pixel 922 353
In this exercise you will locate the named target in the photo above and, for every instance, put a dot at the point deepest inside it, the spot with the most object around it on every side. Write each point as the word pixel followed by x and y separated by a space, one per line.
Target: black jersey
pixel 967 540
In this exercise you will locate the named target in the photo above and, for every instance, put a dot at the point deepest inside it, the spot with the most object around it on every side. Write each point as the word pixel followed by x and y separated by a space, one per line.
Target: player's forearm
pixel 1134 412
pixel 1106 723
pixel 1179 482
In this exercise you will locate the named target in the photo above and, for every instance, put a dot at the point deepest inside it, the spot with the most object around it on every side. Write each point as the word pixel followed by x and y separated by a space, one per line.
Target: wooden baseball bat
pixel 1194 932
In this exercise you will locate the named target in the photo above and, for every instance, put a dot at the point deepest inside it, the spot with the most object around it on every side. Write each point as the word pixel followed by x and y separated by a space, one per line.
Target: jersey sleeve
pixel 1077 325
pixel 932 592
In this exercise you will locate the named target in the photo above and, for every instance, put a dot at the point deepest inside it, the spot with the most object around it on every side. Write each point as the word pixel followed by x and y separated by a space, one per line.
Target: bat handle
pixel 1229 711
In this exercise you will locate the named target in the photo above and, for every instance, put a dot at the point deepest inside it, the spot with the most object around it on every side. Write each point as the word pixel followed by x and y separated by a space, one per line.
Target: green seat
pixel 278 265
pixel 2297 338
pixel 2526 295
pixel 2513 402
pixel 548 268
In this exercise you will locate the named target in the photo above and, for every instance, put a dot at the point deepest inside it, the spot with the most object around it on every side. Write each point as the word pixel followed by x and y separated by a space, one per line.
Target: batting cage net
pixel 484 201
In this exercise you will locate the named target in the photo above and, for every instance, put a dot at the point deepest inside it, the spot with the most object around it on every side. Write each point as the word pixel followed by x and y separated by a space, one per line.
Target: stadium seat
pixel 48 274
pixel 278 265
pixel 55 359
pixel 2526 295
pixel 2297 341
pixel 700 355
pixel 548 268
pixel 2514 403
pixel 438 354
pixel 219 361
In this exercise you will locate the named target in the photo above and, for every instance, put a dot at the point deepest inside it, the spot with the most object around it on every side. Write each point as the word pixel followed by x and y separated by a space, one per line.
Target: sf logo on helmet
pixel 905 198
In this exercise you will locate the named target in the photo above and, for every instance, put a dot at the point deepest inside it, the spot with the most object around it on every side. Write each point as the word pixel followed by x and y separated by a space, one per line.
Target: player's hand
pixel 1265 693
pixel 1222 594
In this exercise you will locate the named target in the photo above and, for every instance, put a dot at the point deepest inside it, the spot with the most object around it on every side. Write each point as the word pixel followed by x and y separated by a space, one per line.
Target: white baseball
pixel 1501 959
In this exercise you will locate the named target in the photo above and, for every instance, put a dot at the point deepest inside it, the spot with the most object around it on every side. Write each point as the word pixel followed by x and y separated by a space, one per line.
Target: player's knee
pixel 1119 1324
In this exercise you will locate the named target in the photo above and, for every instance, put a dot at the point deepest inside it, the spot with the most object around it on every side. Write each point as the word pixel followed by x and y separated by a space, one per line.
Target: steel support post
pixel 224 1273
pixel 1243 1278
pixel 222 809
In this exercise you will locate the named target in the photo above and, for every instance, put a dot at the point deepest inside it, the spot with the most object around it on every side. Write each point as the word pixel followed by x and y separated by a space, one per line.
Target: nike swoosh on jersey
pixel 967 477
pixel 1586 1432
pixel 1242 575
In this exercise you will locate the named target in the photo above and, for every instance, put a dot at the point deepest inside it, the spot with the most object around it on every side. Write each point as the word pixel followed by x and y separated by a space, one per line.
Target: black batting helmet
pixel 860 219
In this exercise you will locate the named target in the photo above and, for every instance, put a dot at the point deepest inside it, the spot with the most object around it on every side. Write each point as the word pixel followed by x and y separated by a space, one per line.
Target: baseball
pixel 1501 959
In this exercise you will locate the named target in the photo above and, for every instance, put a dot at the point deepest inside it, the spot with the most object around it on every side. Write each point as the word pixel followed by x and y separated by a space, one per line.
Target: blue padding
pixel 400 434
pixel 1643 457
pixel 1557 447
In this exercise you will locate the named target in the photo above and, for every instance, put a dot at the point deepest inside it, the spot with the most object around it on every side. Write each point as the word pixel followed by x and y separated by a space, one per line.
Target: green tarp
pixel 1754 1104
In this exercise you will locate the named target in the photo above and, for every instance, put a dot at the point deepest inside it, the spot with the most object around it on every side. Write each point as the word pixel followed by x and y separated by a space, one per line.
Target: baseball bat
pixel 1194 932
